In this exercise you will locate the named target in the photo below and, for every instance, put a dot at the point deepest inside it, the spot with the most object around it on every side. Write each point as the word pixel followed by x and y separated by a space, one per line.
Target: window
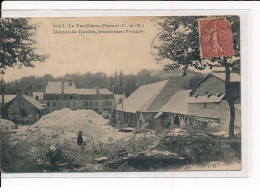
pixel 67 104
pixel 91 103
pixel 54 104
pixel 107 103
pixel 219 94
pixel 205 105
pixel 85 103
pixel 96 103
pixel 37 97
pixel 57 97
pixel 74 104
pixel 60 104
pixel 71 97
pixel 48 104
pixel 107 109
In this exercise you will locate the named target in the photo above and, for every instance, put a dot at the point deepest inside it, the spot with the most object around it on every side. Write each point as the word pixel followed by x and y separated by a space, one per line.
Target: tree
pixel 17 44
pixel 179 47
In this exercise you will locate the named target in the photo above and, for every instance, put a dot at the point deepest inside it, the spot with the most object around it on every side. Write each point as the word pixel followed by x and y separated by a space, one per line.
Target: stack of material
pixel 6 124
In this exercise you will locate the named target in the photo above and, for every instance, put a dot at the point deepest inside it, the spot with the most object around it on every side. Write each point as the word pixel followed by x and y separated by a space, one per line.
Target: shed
pixel 24 109
pixel 3 103
pixel 177 106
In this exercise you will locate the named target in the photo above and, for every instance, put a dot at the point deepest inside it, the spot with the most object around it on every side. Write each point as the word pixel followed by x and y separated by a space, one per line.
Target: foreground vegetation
pixel 141 151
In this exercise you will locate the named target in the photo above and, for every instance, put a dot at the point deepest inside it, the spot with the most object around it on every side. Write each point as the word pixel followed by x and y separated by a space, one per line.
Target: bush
pixel 56 161
pixel 16 158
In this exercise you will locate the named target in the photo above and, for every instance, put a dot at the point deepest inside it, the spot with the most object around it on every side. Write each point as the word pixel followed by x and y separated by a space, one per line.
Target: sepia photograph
pixel 120 94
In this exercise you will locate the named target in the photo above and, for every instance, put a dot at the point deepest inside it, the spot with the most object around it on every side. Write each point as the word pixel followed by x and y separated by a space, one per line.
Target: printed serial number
pixel 58 26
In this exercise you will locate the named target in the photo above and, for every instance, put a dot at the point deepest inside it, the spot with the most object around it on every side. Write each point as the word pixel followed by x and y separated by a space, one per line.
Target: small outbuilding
pixel 24 109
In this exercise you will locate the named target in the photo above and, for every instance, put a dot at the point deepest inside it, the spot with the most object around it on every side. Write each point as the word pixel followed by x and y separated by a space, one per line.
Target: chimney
pixel 97 90
pixel 19 92
pixel 70 82
pixel 62 87
pixel 30 93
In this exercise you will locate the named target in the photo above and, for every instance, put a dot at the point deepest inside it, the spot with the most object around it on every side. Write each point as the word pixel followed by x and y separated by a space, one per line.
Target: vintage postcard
pixel 120 94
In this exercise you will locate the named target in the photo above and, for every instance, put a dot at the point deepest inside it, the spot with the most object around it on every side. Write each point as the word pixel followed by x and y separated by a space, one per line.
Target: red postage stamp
pixel 216 38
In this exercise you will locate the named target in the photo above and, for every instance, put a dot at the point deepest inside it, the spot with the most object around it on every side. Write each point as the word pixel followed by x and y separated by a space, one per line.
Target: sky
pixel 91 52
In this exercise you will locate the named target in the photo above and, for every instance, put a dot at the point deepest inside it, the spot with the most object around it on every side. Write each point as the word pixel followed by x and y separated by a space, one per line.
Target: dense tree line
pixel 117 83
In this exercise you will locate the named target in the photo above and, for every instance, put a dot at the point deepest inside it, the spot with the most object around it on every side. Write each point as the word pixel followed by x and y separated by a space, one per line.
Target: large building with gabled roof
pixel 64 94
pixel 141 106
pixel 205 106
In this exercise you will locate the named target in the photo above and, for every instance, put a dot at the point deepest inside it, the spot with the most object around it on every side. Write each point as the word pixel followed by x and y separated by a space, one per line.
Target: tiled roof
pixel 93 91
pixel 143 98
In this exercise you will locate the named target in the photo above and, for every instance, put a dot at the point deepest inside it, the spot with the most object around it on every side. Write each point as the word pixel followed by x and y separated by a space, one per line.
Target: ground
pixel 50 145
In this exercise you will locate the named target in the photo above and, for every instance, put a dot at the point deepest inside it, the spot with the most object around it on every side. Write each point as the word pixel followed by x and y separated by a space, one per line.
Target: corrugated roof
pixel 205 99
pixel 39 94
pixel 234 77
pixel 33 102
pixel 142 98
pixel 7 98
pixel 93 91
pixel 178 103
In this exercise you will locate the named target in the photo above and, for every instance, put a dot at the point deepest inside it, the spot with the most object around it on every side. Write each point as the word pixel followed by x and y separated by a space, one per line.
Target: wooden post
pixel 122 112
pixel 3 98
